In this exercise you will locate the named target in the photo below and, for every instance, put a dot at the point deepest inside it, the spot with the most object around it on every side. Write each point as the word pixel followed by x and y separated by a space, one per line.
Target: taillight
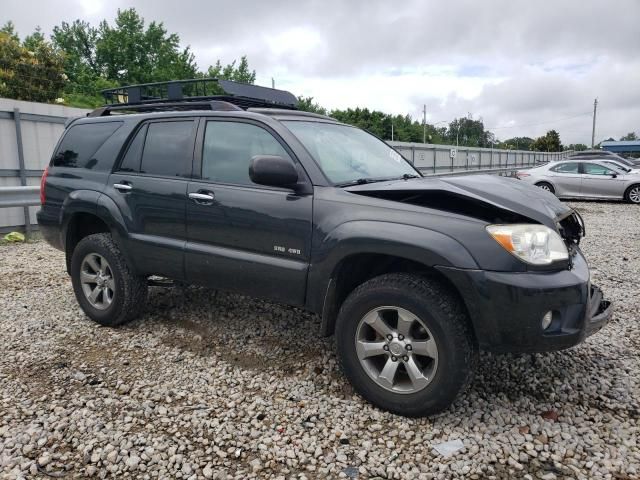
pixel 522 174
pixel 43 184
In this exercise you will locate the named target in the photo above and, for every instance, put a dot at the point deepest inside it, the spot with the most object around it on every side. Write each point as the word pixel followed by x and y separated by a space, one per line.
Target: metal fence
pixel 29 132
pixel 441 159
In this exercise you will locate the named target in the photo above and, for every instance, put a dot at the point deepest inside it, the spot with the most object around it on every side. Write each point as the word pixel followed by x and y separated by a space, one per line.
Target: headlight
pixel 535 244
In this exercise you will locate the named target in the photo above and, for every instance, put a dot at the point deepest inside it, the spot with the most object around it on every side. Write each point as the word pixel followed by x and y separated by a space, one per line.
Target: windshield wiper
pixel 360 181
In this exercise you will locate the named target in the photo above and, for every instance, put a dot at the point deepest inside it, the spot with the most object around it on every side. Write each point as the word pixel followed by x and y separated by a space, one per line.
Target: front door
pixel 150 189
pixel 599 181
pixel 241 236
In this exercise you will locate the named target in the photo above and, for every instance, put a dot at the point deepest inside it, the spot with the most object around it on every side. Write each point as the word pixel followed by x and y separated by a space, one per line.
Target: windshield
pixel 347 154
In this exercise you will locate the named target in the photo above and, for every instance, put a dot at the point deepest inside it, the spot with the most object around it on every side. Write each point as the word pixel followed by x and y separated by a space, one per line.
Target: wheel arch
pixel 90 216
pixel 553 185
pixel 357 251
pixel 356 269
pixel 628 189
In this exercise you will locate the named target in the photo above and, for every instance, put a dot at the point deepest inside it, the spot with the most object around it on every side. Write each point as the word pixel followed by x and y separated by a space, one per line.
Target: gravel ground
pixel 221 386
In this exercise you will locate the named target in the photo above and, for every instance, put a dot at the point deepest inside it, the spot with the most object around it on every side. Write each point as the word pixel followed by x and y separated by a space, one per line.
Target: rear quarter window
pixel 81 142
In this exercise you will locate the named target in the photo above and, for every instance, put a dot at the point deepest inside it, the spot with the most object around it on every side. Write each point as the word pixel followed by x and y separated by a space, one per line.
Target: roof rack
pixel 195 94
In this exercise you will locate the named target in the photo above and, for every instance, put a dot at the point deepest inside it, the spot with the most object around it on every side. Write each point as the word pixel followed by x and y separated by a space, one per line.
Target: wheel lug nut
pixel 386 347
pixel 394 359
pixel 401 337
pixel 405 358
pixel 408 347
pixel 389 337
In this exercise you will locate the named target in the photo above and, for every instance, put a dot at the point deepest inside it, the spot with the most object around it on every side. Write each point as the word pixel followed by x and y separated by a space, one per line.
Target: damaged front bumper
pixel 600 311
pixel 507 308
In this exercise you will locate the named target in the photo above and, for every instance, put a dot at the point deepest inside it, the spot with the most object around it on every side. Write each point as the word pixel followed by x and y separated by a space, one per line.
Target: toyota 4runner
pixel 240 191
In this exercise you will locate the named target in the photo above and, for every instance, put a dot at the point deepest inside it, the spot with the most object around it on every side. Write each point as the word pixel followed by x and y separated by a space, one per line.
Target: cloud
pixel 524 67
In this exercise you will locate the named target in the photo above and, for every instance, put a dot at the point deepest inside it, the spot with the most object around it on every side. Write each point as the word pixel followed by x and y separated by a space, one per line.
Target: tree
pixel 35 40
pixel 78 41
pixel 518 143
pixel 629 136
pixel 550 142
pixel 469 132
pixel 10 30
pixel 33 71
pixel 128 53
pixel 576 147
pixel 241 73
pixel 308 105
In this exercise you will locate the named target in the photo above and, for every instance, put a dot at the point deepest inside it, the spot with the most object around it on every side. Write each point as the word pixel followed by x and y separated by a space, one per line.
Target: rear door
pixel 567 179
pixel 241 236
pixel 599 181
pixel 150 189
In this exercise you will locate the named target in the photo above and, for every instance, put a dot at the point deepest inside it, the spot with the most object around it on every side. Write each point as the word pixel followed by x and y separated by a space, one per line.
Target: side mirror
pixel 614 175
pixel 273 170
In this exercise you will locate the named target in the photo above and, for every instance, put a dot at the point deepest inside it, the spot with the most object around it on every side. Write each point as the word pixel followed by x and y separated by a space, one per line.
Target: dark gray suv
pixel 240 191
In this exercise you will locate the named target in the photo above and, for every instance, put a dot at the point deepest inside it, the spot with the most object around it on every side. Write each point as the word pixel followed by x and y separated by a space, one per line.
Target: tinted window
pixel 596 169
pixel 566 168
pixel 168 149
pixel 229 147
pixel 131 160
pixel 81 142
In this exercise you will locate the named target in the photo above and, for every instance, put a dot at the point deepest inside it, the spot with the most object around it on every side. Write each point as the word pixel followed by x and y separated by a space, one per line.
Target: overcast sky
pixel 524 67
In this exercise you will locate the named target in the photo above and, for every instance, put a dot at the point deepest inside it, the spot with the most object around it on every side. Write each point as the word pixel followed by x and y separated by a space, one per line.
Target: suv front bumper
pixel 506 308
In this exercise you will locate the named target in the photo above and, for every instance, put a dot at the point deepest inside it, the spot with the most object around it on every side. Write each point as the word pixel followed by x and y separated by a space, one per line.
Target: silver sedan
pixel 585 179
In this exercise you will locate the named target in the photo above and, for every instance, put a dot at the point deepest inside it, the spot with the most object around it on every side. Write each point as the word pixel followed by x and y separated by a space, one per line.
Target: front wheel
pixel 632 195
pixel 405 344
pixel 106 288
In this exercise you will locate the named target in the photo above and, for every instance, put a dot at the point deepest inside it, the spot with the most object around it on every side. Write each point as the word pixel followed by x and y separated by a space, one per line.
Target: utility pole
pixel 424 124
pixel 273 83
pixel 593 129
pixel 392 129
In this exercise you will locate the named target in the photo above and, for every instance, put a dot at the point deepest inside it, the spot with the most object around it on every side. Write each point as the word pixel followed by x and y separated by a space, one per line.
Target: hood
pixel 489 197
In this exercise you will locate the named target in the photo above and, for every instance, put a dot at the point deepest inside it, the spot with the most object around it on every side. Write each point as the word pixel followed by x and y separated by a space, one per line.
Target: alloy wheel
pixel 96 278
pixel 396 349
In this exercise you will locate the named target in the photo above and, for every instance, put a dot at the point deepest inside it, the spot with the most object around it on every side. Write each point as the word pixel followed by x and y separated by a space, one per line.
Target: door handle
pixel 122 187
pixel 200 197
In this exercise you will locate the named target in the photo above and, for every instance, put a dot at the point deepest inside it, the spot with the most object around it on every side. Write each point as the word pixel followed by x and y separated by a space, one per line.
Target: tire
pixel 128 291
pixel 546 186
pixel 439 319
pixel 632 195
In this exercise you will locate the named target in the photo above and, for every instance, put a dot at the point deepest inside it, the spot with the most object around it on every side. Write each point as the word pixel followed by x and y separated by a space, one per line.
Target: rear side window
pixel 81 142
pixel 229 147
pixel 168 149
pixel 566 168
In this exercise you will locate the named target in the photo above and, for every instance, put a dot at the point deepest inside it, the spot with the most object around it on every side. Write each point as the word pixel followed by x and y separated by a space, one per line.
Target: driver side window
pixel 229 147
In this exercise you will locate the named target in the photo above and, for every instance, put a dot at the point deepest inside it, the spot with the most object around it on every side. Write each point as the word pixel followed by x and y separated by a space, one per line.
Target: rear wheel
pixel 632 195
pixel 405 344
pixel 105 286
pixel 546 186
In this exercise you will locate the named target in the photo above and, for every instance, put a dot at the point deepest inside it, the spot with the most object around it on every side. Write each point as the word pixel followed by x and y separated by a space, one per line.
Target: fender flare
pixel 102 207
pixel 422 245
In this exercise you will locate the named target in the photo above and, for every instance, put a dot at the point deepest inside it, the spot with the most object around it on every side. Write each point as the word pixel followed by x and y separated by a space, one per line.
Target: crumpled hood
pixel 505 193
